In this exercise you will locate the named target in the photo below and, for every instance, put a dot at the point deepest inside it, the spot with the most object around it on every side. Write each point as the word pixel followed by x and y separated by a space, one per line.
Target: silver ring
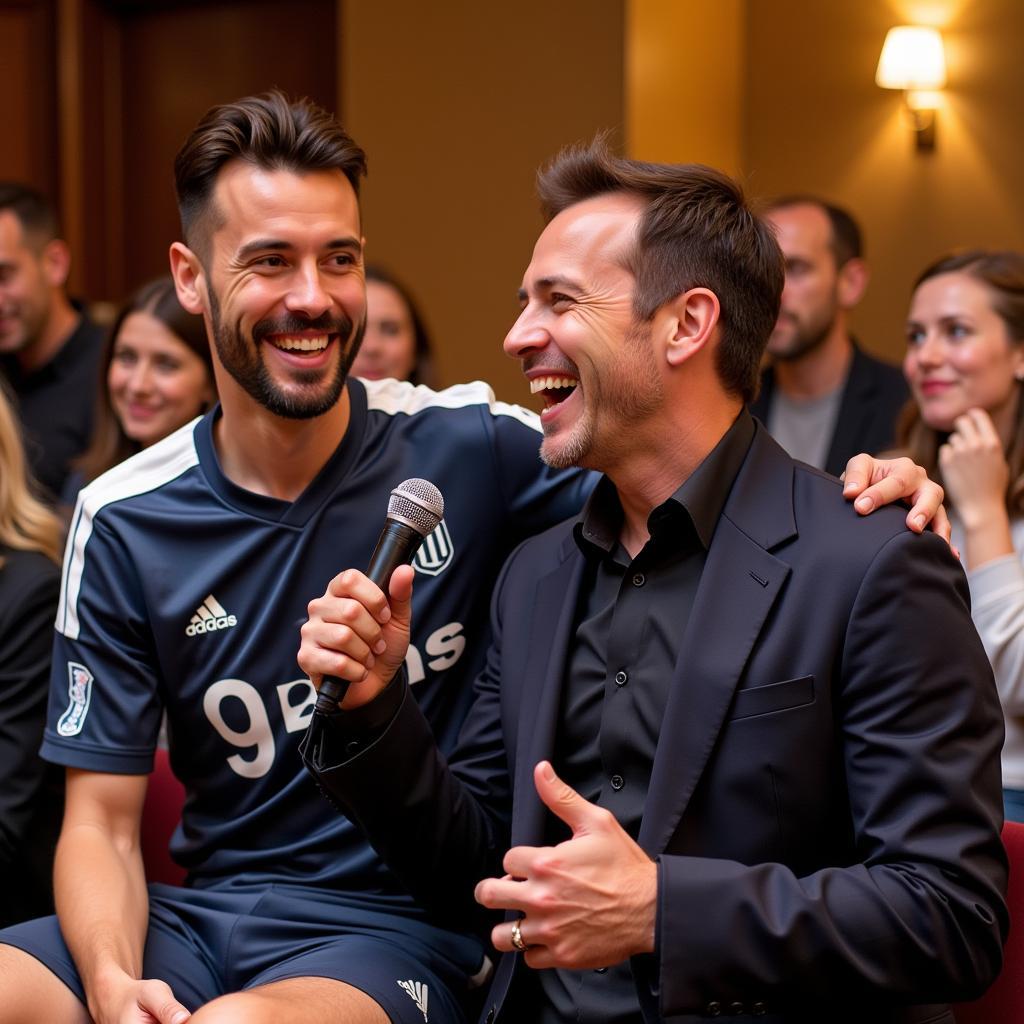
pixel 517 935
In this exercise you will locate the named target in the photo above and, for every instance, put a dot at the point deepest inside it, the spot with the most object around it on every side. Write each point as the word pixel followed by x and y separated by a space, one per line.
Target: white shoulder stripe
pixel 396 396
pixel 150 469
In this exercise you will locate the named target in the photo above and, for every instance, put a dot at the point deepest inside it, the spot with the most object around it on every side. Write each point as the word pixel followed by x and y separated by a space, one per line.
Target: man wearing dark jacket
pixel 822 397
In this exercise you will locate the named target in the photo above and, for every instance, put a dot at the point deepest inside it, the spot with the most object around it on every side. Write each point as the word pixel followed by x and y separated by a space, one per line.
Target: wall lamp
pixel 913 60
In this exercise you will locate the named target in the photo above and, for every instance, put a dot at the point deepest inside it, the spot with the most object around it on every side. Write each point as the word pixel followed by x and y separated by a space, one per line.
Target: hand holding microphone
pixel 354 619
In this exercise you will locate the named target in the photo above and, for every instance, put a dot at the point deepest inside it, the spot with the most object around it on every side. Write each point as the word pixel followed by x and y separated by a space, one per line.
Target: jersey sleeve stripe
pixel 394 397
pixel 150 469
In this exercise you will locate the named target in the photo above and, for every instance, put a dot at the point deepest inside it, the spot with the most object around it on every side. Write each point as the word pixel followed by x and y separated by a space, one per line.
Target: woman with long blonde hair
pixel 31 794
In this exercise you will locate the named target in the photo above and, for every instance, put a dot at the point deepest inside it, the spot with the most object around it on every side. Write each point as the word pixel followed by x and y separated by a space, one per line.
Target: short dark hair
pixel 696 231
pixel 34 211
pixel 269 131
pixel 846 242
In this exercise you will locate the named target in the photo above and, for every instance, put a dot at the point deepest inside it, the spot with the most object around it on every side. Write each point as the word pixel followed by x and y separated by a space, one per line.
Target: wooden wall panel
pixel 28 143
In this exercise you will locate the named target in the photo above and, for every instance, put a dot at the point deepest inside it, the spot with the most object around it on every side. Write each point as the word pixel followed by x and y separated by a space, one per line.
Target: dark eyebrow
pixel 279 245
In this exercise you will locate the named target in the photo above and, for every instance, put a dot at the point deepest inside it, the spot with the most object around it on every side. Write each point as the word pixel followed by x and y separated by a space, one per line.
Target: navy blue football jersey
pixel 183 594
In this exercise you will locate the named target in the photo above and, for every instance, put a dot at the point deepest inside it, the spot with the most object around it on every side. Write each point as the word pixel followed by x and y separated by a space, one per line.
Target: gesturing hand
pixel 587 902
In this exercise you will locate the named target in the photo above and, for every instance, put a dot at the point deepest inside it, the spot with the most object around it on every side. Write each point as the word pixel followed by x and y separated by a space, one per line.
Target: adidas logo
pixel 209 617
pixel 417 992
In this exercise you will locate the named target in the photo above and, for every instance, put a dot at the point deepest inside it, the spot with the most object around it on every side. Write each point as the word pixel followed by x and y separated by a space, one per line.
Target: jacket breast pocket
pixel 763 700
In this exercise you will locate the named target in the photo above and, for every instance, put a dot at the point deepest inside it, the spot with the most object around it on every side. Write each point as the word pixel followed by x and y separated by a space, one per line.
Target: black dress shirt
pixel 629 628
pixel 55 404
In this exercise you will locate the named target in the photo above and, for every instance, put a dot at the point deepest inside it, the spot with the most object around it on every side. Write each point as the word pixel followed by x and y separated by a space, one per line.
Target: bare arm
pixel 102 903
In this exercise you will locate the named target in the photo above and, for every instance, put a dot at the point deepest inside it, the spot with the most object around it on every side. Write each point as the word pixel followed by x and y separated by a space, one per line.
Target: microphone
pixel 414 509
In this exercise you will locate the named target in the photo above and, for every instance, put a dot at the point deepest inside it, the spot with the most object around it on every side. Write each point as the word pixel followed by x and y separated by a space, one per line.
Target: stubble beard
pixel 631 393
pixel 242 359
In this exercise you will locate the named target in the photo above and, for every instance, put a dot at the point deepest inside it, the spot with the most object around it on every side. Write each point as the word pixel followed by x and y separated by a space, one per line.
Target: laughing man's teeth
pixel 544 383
pixel 302 344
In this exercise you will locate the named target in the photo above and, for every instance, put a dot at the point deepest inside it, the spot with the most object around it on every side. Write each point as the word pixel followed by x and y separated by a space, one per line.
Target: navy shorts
pixel 205 943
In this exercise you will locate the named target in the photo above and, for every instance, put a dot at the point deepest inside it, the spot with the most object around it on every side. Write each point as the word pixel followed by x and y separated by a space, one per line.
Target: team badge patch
pixel 80 693
pixel 436 551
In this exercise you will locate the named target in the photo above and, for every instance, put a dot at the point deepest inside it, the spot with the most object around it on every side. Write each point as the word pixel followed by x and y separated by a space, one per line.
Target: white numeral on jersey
pixel 258 734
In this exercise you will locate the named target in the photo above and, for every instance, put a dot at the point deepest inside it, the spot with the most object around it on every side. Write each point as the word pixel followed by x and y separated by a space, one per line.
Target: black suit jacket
pixel 873 396
pixel 825 799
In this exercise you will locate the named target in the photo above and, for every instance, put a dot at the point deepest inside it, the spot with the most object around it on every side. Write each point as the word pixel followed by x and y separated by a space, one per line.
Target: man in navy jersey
pixel 187 575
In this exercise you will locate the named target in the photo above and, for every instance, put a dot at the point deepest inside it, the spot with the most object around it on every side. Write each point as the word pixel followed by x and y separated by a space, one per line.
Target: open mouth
pixel 301 344
pixel 554 390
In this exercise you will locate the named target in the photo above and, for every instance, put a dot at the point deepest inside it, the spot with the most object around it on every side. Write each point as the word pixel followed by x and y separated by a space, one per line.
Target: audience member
pixel 822 397
pixel 187 568
pixel 32 792
pixel 775 721
pixel 49 350
pixel 155 376
pixel 396 343
pixel 965 365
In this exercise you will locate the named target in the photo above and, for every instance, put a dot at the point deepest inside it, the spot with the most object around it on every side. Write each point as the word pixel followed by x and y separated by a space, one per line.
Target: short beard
pixel 243 361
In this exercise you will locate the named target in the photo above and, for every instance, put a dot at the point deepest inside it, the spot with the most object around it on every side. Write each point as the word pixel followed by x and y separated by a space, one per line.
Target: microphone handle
pixel 397 545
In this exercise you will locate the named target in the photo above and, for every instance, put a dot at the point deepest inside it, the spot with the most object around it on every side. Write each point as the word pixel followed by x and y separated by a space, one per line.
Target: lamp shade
pixel 912 58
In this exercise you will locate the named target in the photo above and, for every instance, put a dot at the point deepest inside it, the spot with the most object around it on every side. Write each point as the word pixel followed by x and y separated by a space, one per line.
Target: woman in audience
pixel 396 343
pixel 965 367
pixel 155 377
pixel 31 793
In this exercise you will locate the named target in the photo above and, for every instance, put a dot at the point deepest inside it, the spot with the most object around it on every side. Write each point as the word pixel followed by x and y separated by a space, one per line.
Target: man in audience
pixel 823 398
pixel 774 727
pixel 189 570
pixel 49 350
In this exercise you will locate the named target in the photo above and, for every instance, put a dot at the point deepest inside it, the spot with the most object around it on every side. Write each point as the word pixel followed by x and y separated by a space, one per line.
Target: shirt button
pixel 759 1009
pixel 617 782
pixel 639 579
pixel 714 1008
pixel 600 970
pixel 736 1009
pixel 621 678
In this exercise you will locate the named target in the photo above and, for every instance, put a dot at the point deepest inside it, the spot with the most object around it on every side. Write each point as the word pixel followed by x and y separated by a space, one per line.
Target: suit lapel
pixel 740 584
pixel 547 645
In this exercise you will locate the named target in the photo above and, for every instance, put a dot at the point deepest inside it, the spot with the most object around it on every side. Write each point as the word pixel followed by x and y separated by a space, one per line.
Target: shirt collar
pixel 699 499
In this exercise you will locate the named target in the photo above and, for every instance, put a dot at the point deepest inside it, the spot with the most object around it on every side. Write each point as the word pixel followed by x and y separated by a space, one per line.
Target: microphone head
pixel 417 503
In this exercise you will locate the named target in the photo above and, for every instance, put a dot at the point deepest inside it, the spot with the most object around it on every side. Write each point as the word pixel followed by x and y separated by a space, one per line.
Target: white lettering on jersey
pixel 297 699
pixel 445 645
pixel 257 735
pixel 296 715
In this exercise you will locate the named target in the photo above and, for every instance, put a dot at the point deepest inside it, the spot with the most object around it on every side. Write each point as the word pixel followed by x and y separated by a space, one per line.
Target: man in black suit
pixel 823 398
pixel 774 728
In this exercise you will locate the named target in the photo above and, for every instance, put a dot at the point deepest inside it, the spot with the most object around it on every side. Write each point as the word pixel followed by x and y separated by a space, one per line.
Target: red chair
pixel 160 816
pixel 1003 1003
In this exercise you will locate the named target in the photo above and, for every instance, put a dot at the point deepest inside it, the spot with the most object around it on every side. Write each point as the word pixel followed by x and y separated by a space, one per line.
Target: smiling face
pixel 25 287
pixel 577 339
pixel 960 354
pixel 156 382
pixel 285 288
pixel 389 344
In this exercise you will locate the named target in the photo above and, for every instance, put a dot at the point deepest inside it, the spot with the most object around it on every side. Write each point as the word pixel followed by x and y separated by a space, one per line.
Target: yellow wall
pixel 684 81
pixel 457 104
pixel 815 121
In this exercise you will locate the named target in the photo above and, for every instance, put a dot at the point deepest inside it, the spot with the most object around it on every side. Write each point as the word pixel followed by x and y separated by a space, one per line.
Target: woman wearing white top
pixel 965 365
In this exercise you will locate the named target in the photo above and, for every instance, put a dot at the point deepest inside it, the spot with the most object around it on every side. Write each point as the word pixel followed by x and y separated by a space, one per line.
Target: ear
pixel 852 282
pixel 189 278
pixel 56 261
pixel 694 314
